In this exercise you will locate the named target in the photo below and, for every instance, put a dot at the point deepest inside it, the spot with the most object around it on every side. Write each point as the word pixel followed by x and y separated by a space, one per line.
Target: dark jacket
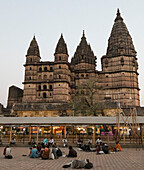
pixel 72 153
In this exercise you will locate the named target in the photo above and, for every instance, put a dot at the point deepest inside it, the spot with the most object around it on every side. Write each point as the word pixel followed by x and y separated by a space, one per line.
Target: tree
pixel 86 100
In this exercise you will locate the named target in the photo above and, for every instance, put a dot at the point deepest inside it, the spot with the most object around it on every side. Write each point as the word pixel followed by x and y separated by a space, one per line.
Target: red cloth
pixel 4 152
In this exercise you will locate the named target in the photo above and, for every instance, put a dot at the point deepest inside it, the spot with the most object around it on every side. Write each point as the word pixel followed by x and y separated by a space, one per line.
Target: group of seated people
pixel 49 151
pixel 45 151
pixel 104 148
pixel 100 147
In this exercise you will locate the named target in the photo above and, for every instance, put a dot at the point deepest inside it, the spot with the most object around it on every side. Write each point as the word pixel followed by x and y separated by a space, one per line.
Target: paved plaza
pixel 128 159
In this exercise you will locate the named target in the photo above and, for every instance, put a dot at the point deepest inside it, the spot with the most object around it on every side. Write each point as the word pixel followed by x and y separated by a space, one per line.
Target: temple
pixel 48 84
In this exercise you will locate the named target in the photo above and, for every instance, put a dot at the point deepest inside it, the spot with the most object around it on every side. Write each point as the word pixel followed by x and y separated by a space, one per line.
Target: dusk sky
pixel 47 19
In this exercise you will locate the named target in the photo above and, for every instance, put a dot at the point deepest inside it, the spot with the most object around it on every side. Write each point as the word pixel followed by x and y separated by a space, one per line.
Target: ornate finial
pixel 83 33
pixel 34 36
pixel 61 35
pixel 118 17
pixel 118 12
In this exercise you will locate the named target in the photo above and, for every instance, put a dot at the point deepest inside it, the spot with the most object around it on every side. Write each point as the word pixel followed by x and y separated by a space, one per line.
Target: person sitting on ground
pixel 58 152
pixel 51 141
pixel 117 146
pixel 98 148
pixel 42 150
pixel 78 164
pixel 105 148
pixel 54 151
pixel 34 152
pixel 7 152
pixel 12 141
pixel 39 147
pixel 51 155
pixel 72 152
pixel 45 154
pixel 44 141
pixel 64 142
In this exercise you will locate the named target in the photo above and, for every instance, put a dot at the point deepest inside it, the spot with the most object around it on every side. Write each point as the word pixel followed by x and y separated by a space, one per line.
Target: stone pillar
pixel 10 134
pixel 30 134
pixel 64 131
pixel 93 139
pixel 51 130
pixel 123 136
pixel 73 133
pixel 37 134
pixel 142 134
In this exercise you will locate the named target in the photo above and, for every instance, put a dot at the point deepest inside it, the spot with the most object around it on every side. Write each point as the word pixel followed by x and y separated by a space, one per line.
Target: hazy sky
pixel 47 19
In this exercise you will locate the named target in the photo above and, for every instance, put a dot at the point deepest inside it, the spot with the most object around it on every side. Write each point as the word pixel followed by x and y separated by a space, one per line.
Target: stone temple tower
pixel 32 58
pixel 61 74
pixel 119 66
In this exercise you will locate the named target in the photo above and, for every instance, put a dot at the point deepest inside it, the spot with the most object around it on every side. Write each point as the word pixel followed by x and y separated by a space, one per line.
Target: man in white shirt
pixel 51 141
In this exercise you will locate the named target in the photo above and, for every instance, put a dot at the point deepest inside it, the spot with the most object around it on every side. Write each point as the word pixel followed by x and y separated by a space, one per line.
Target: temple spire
pixel 120 41
pixel 33 48
pixel 118 17
pixel 61 47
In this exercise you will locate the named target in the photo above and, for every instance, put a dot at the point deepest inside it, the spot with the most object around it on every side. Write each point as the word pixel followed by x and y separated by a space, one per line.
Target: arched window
pixel 30 59
pixel 82 75
pixel 122 61
pixel 39 87
pixel 51 69
pixel 29 78
pixel 44 95
pixel 59 67
pixel 87 75
pixel 30 68
pixel 40 69
pixel 44 87
pixel 59 76
pixel 50 76
pixel 45 68
pixel 50 87
pixel 59 57
pixel 133 63
pixel 50 94
pixel 45 77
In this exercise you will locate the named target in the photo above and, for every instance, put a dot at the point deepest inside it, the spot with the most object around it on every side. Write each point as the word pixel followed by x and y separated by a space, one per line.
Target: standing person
pixel 98 141
pixel 7 152
pixel 72 152
pixel 34 153
pixel 44 141
pixel 64 142
pixel 51 141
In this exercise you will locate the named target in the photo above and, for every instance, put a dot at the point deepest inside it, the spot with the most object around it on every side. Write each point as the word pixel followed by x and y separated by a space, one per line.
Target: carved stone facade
pixel 58 81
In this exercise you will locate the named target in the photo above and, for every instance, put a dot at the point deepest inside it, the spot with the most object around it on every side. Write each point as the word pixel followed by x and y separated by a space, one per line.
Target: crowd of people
pixel 49 150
